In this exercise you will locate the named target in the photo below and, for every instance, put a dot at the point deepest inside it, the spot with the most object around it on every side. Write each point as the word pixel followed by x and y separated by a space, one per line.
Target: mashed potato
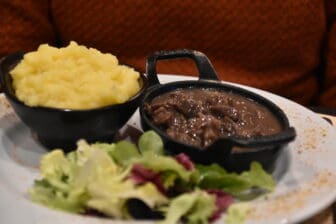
pixel 73 77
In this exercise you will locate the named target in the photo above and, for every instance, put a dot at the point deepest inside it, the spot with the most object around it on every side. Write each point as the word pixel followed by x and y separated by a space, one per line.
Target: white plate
pixel 305 170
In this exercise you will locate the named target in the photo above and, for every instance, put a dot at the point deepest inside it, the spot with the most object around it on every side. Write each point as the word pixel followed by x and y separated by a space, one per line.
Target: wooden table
pixel 324 217
pixel 327 216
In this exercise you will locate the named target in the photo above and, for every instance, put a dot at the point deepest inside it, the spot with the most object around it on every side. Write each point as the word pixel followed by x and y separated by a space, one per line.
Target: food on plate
pixel 73 77
pixel 108 179
pixel 200 116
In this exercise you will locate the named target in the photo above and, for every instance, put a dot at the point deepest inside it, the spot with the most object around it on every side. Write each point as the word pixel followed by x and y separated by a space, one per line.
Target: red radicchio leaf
pixel 223 201
pixel 185 161
pixel 141 175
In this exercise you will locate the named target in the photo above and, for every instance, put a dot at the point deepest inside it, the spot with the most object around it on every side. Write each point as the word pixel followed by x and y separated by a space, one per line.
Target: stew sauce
pixel 200 116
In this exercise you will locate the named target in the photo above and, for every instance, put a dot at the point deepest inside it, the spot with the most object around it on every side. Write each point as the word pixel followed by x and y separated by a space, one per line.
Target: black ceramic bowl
pixel 63 127
pixel 264 149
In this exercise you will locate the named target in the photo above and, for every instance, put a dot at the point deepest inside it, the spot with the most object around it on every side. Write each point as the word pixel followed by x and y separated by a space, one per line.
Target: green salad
pixel 114 180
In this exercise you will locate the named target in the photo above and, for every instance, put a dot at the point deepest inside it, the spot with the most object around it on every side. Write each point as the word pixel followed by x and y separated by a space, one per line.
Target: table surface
pixel 327 216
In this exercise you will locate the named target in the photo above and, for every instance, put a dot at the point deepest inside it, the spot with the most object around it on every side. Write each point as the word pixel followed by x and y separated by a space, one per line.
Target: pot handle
pixel 204 66
pixel 283 137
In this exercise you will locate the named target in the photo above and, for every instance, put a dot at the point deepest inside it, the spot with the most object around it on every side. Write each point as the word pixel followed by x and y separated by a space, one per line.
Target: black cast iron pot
pixel 264 149
pixel 61 128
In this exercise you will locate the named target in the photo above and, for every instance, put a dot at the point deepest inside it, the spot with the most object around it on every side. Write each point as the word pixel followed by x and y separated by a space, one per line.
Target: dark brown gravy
pixel 201 116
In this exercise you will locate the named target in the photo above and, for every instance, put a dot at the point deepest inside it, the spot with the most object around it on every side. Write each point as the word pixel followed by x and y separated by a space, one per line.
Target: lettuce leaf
pixel 237 213
pixel 159 163
pixel 99 166
pixel 46 194
pixel 195 207
pixel 124 152
pixel 215 177
pixel 150 142
pixel 56 189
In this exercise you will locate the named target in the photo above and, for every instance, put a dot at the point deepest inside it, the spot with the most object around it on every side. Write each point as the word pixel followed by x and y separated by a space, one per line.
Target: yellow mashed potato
pixel 73 77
